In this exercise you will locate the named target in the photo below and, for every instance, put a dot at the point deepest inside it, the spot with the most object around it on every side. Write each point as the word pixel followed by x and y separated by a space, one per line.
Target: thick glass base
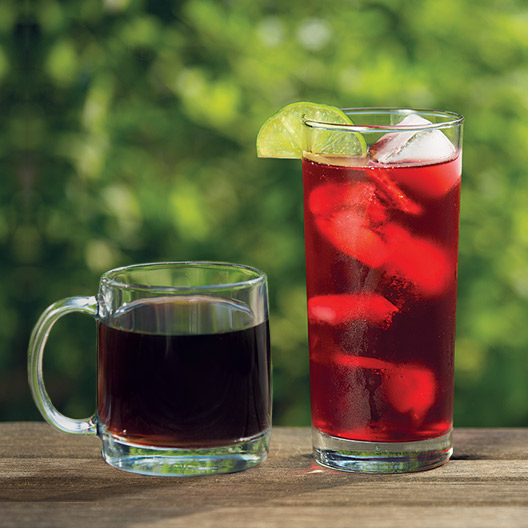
pixel 380 457
pixel 176 462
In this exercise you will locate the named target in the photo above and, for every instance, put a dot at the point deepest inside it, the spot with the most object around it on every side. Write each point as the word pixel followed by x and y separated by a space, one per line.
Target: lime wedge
pixel 282 135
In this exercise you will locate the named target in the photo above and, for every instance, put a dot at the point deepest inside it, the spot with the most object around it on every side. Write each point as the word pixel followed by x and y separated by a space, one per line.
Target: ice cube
pixel 393 195
pixel 417 260
pixel 410 389
pixel 411 146
pixel 351 360
pixel 344 308
pixel 433 181
pixel 359 196
pixel 331 197
pixel 349 232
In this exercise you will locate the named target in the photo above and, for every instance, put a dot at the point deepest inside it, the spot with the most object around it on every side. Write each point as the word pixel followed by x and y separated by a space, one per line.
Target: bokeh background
pixel 127 134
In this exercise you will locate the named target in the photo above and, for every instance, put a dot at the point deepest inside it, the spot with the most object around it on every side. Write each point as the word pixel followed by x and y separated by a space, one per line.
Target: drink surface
pixel 186 391
pixel 381 262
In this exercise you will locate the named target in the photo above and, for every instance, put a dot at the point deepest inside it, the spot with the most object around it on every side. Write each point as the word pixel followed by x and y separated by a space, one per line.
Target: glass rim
pixel 255 276
pixel 452 120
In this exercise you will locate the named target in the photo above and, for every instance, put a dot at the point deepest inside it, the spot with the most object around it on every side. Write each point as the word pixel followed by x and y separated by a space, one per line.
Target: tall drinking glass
pixel 381 236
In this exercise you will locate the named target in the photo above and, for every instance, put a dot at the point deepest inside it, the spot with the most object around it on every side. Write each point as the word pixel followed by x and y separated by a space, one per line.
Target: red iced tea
pixel 381 262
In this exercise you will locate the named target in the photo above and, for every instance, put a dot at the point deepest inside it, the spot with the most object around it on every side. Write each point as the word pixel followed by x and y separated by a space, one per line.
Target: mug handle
pixel 39 336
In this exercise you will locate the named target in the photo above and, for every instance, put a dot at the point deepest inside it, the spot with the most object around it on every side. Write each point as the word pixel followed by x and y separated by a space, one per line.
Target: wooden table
pixel 52 479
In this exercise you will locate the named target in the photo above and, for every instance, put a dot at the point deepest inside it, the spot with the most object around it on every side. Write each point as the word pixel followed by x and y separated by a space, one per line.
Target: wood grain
pixel 53 479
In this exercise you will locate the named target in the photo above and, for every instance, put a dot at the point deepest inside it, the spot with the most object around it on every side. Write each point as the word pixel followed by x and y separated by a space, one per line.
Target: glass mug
pixel 183 370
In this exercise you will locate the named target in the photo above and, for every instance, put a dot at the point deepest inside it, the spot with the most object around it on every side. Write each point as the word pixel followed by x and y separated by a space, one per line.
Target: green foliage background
pixel 127 135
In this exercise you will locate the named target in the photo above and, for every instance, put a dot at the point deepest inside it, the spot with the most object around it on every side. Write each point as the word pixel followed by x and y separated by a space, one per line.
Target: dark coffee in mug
pixel 170 390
